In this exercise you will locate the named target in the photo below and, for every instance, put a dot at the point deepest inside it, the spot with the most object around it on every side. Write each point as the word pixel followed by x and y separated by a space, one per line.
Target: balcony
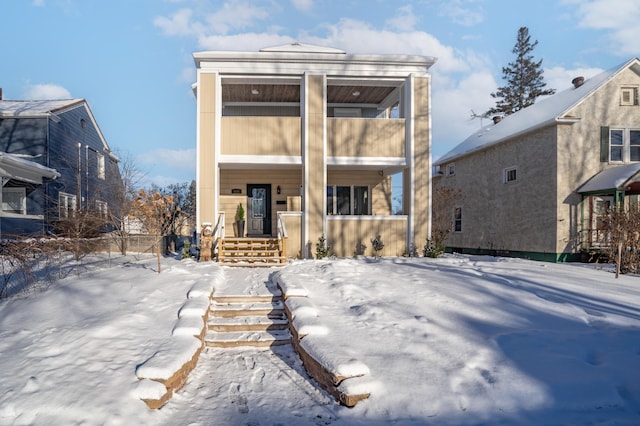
pixel 365 137
pixel 275 136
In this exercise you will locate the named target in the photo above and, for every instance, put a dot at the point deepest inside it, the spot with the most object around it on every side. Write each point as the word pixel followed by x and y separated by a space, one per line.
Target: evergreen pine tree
pixel 524 79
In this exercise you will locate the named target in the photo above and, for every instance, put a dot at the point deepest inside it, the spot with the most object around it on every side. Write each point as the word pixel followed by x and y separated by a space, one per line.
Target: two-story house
pixel 537 183
pixel 307 139
pixel 60 140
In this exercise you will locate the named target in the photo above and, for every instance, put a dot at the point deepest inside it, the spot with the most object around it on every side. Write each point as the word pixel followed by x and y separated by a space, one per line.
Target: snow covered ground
pixel 456 340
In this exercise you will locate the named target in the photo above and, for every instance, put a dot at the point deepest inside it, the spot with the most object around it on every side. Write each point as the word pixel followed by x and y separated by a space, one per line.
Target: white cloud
pixel 559 78
pixel 177 24
pixel 235 14
pixel 405 20
pixel 618 17
pixel 249 42
pixel 303 5
pixel 168 159
pixel 46 92
pixel 461 12
pixel 38 3
pixel 453 102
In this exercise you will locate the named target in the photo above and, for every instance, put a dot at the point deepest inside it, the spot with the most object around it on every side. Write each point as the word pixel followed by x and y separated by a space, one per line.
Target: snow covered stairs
pixel 247 320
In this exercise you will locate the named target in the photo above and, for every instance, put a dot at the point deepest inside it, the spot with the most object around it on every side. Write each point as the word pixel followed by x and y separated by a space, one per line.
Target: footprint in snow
pixel 237 398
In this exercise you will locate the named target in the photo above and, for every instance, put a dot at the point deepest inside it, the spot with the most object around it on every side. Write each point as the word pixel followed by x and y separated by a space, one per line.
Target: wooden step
pixel 230 310
pixel 248 298
pixel 247 323
pixel 250 338
pixel 252 260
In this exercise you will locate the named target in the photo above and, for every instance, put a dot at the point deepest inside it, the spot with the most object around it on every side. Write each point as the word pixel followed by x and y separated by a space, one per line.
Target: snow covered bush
pixel 322 248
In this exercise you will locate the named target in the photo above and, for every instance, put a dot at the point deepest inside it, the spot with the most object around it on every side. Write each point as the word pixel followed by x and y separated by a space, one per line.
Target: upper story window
pixel 101 166
pixel 624 145
pixel 348 200
pixel 66 205
pixel 510 174
pixel 628 95
pixel 14 200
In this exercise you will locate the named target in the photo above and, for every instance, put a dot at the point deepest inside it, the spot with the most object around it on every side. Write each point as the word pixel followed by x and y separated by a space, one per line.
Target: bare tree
pixel 624 249
pixel 154 211
pixel 444 201
pixel 122 197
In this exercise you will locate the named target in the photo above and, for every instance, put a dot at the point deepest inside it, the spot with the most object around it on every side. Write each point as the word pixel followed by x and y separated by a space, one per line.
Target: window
pixel 510 174
pixel 457 219
pixel 348 200
pixel 101 166
pixel 628 96
pixel 102 209
pixel 620 145
pixel 66 204
pixel 14 200
pixel 451 169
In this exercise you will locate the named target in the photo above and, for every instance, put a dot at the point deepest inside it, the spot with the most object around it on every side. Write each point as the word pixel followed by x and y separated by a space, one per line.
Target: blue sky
pixel 132 59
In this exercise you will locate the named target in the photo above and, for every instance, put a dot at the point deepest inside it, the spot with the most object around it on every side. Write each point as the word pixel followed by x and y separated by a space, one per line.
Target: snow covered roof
pixel 49 108
pixel 302 48
pixel 545 112
pixel 610 179
pixel 16 167
pixel 35 108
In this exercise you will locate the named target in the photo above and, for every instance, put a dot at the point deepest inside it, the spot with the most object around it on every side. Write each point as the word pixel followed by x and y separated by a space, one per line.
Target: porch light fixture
pixel 278 189
pixel 255 92
pixel 356 93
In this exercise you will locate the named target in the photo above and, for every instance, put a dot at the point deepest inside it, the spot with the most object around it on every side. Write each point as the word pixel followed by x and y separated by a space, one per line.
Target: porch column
pixel 417 177
pixel 207 148
pixel 314 171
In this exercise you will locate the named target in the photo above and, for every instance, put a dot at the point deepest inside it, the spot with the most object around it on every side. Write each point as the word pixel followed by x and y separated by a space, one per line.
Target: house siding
pixel 518 216
pixel 261 136
pixel 578 152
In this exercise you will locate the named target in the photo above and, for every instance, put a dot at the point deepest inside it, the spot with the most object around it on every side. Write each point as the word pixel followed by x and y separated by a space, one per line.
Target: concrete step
pixel 247 323
pixel 247 338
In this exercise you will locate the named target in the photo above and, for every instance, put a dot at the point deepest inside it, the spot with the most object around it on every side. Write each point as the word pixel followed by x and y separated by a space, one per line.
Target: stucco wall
pixel 518 216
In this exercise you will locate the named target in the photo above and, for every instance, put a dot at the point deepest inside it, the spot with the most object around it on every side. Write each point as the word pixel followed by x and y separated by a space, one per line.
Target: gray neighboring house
pixel 54 160
pixel 538 183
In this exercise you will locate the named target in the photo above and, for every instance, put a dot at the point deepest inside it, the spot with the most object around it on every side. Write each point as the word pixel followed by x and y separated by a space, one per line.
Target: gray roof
pixel 613 178
pixel 545 112
pixel 35 108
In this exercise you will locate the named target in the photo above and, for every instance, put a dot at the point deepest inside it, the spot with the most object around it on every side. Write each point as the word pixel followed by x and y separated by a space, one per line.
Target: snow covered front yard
pixel 455 340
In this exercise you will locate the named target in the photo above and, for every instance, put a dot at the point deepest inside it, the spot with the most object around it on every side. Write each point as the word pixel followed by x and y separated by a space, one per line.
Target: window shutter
pixel 604 144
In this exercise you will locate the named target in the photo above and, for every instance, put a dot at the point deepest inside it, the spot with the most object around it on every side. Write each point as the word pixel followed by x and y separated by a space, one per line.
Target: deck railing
pixel 282 236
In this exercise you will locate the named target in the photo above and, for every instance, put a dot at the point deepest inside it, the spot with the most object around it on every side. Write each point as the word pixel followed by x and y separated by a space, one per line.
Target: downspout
pixel 86 166
pixel 79 176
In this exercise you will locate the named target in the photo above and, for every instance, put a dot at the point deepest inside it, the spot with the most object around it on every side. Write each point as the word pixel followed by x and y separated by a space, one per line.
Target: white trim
pixel 367 161
pixel 410 153
pixel 276 160
pixel 368 217
pixel 430 160
pixel 198 155
pixel 304 116
pixel 21 216
pixel 217 144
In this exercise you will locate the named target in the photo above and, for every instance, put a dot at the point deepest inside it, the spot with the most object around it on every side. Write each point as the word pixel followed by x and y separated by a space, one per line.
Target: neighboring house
pixel 61 139
pixel 21 213
pixel 307 138
pixel 538 183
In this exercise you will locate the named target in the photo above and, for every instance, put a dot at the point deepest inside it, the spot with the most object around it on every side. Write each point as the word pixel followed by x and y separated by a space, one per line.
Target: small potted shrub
pixel 240 220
